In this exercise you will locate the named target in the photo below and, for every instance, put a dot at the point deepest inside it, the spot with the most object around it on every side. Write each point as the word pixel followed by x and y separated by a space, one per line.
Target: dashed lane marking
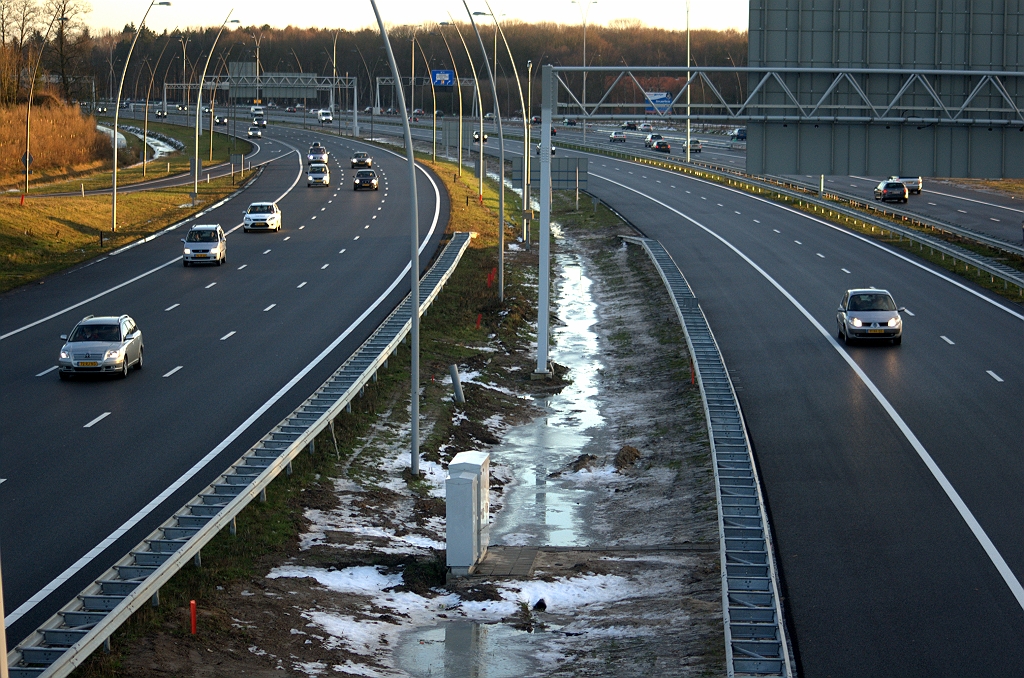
pixel 267 252
pixel 324 266
pixel 107 414
pixel 228 335
pixel 47 371
pixel 269 307
pixel 210 285
pixel 994 376
pixel 947 340
pixel 301 285
pixel 173 371
pixel 242 266
pixel 172 307
pixel 844 270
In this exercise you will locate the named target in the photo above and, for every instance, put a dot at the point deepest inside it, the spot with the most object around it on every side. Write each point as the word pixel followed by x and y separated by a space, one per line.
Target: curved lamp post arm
pixel 414 267
pixel 479 100
pixel 501 159
pixel 31 95
pixel 458 86
pixel 149 91
pixel 199 101
pixel 117 110
pixel 433 97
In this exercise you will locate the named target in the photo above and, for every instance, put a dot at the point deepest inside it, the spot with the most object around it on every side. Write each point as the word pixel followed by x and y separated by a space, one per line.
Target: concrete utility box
pixel 467 511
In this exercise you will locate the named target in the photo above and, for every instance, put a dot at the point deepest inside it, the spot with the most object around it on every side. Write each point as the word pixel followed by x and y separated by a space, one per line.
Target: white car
pixel 254 132
pixel 324 116
pixel 319 174
pixel 617 136
pixel 869 314
pixel 109 344
pixel 205 244
pixel 647 127
pixel 265 216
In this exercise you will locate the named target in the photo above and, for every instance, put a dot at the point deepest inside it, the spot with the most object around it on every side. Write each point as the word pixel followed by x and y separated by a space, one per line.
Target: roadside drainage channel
pixel 755 630
pixel 83 625
pixel 824 208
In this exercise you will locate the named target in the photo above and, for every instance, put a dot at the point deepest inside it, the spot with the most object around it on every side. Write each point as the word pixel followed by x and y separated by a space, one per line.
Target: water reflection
pixel 463 649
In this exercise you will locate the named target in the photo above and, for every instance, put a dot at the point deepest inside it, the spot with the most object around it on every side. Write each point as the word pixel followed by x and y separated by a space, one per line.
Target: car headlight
pixel 112 354
pixel 65 355
pixel 309 178
pixel 856 322
pixel 893 322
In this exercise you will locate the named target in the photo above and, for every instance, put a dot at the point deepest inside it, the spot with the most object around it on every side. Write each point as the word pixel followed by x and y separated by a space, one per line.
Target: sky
pixel 719 14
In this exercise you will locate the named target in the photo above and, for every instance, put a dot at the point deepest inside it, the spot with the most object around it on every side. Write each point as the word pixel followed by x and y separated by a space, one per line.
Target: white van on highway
pixel 256 110
pixel 324 115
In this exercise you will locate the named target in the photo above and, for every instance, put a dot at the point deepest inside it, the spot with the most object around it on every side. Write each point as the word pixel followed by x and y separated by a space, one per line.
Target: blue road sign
pixel 443 78
pixel 660 100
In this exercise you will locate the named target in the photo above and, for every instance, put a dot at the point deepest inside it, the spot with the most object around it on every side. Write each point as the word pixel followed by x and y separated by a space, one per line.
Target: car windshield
pixel 316 150
pixel 96 333
pixel 359 155
pixel 204 235
pixel 318 168
pixel 365 174
pixel 871 302
pixel 261 209
pixel 894 187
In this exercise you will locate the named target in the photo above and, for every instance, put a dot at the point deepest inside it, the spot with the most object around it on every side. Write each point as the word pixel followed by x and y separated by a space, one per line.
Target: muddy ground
pixel 637 589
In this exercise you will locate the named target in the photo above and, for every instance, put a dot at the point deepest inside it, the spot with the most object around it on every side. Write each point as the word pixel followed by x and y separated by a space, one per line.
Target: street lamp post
pixel 522 105
pixel 28 108
pixel 584 7
pixel 117 110
pixel 149 91
pixel 199 102
pixel 257 99
pixel 458 86
pixel 528 140
pixel 433 117
pixel 184 71
pixel 501 159
pixel 369 77
pixel 303 89
pixel 480 106
pixel 688 81
pixel 414 262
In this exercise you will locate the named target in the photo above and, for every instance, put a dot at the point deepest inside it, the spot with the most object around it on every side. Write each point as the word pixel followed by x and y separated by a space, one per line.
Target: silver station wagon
pixel 205 244
pixel 869 314
pixel 319 174
pixel 101 345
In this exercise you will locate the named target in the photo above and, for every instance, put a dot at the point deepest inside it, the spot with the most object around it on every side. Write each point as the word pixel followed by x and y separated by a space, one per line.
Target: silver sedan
pixel 101 345
pixel 869 314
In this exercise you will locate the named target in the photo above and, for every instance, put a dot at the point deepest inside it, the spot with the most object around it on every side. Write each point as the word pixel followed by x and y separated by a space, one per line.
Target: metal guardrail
pixel 83 625
pixel 990 266
pixel 755 630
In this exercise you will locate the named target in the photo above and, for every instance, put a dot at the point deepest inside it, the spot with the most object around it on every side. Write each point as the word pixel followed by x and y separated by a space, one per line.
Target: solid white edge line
pixel 199 465
pixel 994 376
pixel 173 371
pixel 97 420
pixel 47 371
pixel 980 202
pixel 965 513
pixel 136 278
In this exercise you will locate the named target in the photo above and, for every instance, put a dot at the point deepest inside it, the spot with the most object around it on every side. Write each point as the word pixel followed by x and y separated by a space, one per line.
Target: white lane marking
pixel 47 371
pixel 844 270
pixel 947 340
pixel 228 335
pixel 311 218
pixel 303 226
pixel 242 266
pixel 210 285
pixel 287 238
pixel 703 198
pixel 933 204
pixel 374 216
pixel 341 251
pixel 323 209
pixel 269 307
pixel 330 201
pixel 756 221
pixel 356 238
pixel 94 422
pixel 301 285
pixel 720 204
pixel 908 312
pixel 95 551
pixel 172 307
pixel 863 239
pixel 172 371
pixel 736 211
pixel 777 230
pixel 267 252
pixel 993 219
pixel 324 266
pixel 658 180
pixel 980 202
pixel 3 480
pixel 366 227
pixel 965 513
pixel 962 211
pixel 820 255
pixel 994 376
pixel 798 242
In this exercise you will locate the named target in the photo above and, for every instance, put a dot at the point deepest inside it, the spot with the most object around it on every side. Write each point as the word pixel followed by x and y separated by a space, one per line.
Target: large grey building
pixel 934 124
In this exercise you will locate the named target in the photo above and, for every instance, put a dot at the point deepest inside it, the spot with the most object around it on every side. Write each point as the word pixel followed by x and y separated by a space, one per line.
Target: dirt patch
pixel 626 457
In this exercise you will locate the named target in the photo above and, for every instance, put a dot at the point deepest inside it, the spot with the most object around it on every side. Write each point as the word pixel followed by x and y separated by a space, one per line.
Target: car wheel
pixel 124 370
pixel 839 332
pixel 138 365
pixel 897 341
pixel 64 376
pixel 184 263
pixel 846 339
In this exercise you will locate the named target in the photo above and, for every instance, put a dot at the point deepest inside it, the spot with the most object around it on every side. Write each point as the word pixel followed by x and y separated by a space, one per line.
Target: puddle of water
pixel 463 649
pixel 538 510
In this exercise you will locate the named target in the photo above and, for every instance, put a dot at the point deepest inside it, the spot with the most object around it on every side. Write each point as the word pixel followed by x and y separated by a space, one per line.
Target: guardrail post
pixel 348 407
pixel 197 559
pixel 312 449
pixel 263 496
pixel 106 644
pixel 233 528
pixel 288 469
pixel 155 599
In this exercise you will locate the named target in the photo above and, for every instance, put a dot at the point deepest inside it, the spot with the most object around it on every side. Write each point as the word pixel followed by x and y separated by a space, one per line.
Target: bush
pixel 62 137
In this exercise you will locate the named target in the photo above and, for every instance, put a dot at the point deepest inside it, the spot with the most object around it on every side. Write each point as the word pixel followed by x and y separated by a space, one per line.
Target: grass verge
pixel 47 235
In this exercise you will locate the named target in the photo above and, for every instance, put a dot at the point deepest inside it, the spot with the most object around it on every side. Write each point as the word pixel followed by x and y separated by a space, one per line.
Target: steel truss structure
pixel 859 95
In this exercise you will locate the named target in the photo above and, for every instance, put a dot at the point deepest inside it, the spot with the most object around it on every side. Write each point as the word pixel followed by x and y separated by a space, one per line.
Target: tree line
pixel 79 66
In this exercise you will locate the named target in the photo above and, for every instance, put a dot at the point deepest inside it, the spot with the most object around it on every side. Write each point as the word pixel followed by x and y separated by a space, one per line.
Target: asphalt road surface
pixel 229 351
pixel 892 475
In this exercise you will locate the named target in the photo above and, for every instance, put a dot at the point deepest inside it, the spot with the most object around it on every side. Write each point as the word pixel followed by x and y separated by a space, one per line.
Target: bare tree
pixel 68 54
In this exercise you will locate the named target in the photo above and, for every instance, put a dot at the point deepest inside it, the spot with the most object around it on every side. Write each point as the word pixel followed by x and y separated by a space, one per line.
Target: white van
pixel 255 110
pixel 324 115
